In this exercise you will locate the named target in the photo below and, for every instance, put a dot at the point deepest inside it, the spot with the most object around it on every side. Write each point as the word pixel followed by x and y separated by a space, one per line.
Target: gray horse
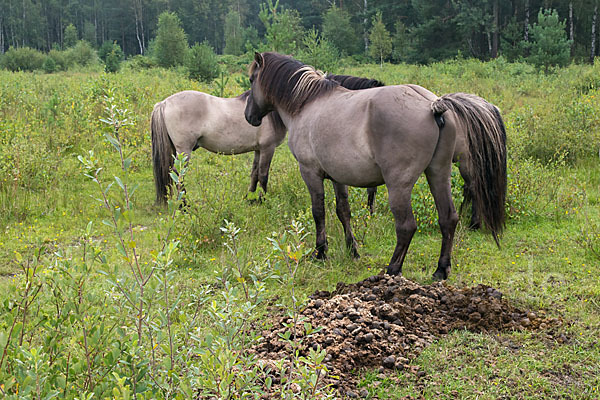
pixel 390 135
pixel 188 120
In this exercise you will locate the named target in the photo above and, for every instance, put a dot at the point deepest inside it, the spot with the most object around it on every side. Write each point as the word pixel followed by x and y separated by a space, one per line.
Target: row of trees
pixel 407 30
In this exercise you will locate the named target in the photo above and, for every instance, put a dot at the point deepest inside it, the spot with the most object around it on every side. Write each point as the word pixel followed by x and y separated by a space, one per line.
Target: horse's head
pixel 256 105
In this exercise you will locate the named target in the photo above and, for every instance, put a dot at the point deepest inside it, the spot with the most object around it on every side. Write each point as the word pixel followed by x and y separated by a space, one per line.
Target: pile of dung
pixel 384 322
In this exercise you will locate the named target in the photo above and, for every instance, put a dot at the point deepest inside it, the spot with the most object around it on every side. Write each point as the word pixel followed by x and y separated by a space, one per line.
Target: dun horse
pixel 189 120
pixel 390 135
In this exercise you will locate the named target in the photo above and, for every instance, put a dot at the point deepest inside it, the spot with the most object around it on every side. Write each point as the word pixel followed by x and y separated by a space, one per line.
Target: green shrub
pixel 111 55
pixel 82 54
pixel 49 65
pixel 139 63
pixel 22 59
pixel 61 59
pixel 201 63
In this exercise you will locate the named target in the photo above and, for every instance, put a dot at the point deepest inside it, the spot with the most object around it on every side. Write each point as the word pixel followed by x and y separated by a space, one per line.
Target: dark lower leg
pixel 254 173
pixel 342 209
pixel 372 191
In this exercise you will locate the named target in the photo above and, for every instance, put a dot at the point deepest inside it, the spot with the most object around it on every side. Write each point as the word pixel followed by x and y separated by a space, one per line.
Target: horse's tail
pixel 486 138
pixel 162 153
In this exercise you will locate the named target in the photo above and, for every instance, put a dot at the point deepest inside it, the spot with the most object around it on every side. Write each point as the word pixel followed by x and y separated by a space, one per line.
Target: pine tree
pixel 338 30
pixel 70 36
pixel 171 41
pixel 549 43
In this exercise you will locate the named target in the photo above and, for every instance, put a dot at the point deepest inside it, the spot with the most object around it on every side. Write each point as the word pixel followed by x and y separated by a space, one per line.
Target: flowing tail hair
pixel 486 138
pixel 163 151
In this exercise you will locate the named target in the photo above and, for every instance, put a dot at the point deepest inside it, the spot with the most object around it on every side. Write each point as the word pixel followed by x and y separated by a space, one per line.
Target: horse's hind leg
pixel 342 209
pixel 405 224
pixel 314 183
pixel 439 184
pixel 468 198
pixel 372 191
pixel 254 173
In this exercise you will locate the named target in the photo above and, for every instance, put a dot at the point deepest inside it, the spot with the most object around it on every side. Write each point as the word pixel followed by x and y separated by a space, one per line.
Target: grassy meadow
pixel 105 295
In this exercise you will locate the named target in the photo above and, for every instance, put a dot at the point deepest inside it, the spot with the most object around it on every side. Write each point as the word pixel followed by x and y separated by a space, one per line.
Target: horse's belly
pixel 227 145
pixel 351 169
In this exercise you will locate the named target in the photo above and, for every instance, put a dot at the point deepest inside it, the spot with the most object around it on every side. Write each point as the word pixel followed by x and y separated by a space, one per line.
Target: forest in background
pixel 421 31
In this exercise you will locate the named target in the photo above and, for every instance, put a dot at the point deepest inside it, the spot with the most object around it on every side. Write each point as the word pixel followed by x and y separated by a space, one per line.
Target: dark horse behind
pixel 390 135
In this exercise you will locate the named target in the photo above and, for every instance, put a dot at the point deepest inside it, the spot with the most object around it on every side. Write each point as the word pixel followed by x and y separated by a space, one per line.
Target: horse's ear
pixel 259 59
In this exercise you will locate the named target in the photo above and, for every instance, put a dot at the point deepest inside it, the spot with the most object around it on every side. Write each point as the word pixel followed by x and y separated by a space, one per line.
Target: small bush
pixel 22 59
pixel 49 65
pixel 60 58
pixel 139 63
pixel 82 54
pixel 201 63
pixel 111 55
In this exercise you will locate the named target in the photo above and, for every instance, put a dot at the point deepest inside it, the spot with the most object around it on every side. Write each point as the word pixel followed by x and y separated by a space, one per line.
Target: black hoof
pixel 394 270
pixel 441 274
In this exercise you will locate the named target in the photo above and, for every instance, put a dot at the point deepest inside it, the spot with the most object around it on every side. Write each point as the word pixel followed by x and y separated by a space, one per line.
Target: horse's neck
pixel 286 117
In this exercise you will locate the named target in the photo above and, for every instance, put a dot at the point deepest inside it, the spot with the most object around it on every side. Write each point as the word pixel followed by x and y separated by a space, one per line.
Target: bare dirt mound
pixel 383 322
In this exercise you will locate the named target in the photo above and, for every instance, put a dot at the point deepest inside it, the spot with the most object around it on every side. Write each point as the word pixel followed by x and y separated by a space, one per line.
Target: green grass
pixel 548 259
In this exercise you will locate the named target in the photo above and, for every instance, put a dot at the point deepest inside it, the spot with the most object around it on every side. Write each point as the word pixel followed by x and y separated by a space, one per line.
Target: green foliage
pixel 201 62
pixel 139 63
pixel 400 42
pixel 234 33
pixel 171 41
pixel 284 27
pixel 338 30
pixel 49 65
pixel 549 43
pixel 318 52
pixel 112 55
pixel 70 36
pixel 380 41
pixel 82 54
pixel 22 59
pixel 61 59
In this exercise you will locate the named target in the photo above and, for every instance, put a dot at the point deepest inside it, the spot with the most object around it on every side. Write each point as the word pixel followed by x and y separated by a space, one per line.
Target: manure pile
pixel 383 323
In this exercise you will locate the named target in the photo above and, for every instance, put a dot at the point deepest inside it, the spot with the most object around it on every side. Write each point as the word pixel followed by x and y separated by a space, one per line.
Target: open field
pixel 70 321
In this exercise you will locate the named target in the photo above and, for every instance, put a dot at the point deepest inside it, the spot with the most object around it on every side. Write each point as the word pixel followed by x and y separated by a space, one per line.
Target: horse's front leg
pixel 314 183
pixel 406 226
pixel 264 164
pixel 342 209
pixel 254 172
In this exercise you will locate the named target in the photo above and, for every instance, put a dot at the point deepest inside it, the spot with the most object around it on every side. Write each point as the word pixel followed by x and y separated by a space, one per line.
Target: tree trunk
pixel 594 18
pixel 526 37
pixel 495 11
pixel 571 30
pixel 1 36
pixel 365 23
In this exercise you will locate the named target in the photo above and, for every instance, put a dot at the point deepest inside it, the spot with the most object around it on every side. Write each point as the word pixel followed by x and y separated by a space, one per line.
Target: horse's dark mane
pixel 273 116
pixel 354 82
pixel 290 83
